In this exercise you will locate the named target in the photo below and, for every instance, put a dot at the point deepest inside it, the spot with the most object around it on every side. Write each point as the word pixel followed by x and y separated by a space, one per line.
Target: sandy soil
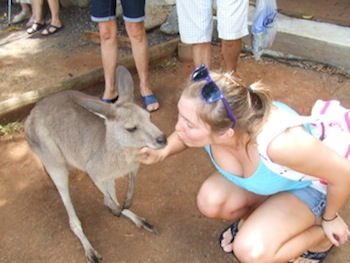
pixel 34 225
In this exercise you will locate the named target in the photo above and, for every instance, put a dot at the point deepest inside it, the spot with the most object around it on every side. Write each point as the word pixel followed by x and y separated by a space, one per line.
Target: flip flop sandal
pixel 148 100
pixel 234 230
pixel 320 256
pixel 50 29
pixel 110 101
pixel 35 28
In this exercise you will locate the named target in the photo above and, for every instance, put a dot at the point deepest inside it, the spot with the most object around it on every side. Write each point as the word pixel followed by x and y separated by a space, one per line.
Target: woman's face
pixel 190 129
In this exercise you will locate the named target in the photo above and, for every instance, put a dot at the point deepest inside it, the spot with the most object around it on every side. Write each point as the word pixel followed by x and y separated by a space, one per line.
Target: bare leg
pixel 230 51
pixel 276 232
pixel 26 8
pixel 23 15
pixel 37 7
pixel 219 198
pixel 139 45
pixel 109 54
pixel 54 6
pixel 201 54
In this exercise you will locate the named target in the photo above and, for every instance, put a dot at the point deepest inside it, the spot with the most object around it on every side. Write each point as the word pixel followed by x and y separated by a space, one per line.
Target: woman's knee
pixel 136 31
pixel 210 200
pixel 247 250
pixel 108 30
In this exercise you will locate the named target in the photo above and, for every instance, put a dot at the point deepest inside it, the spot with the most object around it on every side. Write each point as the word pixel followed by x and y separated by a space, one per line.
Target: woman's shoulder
pixel 293 142
pixel 279 120
pixel 282 134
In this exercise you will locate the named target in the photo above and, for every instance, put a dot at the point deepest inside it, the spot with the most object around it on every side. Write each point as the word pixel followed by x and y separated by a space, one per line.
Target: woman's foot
pixel 30 22
pixel 51 29
pixel 149 100
pixel 312 257
pixel 20 17
pixel 110 100
pixel 151 103
pixel 227 237
pixel 35 28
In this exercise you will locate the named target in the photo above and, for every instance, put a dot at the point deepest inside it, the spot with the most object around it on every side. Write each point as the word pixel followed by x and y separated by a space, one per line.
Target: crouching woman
pixel 281 187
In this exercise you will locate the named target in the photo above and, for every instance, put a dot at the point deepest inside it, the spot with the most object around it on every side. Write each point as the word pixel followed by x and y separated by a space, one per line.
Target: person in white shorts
pixel 196 28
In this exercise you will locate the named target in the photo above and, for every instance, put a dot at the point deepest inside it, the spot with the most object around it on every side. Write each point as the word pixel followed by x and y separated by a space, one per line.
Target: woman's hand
pixel 337 231
pixel 149 156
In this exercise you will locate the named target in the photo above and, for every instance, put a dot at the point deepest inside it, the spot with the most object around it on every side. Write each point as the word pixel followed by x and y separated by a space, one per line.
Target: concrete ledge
pixel 323 42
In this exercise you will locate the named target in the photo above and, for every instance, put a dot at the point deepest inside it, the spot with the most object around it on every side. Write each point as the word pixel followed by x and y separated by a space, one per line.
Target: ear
pixel 125 84
pixel 228 134
pixel 92 104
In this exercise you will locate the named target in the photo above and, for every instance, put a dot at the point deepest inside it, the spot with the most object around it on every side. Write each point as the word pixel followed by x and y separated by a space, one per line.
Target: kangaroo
pixel 72 129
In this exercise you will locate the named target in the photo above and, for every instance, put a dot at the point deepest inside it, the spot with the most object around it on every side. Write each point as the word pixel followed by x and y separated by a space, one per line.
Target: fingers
pixel 143 156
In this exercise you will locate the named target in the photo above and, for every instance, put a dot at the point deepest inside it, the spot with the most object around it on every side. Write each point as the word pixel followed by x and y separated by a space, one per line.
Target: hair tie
pixel 249 88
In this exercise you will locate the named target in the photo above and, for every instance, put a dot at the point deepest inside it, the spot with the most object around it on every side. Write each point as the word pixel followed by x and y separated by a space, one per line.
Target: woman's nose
pixel 179 125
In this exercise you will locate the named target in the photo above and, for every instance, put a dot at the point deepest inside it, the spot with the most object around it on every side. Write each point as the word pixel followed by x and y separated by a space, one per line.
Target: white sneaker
pixel 20 17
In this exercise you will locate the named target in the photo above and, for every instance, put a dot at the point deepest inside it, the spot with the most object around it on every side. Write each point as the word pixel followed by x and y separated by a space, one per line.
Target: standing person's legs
pixel 37 8
pixel 54 6
pixel 232 26
pixel 231 49
pixel 196 28
pixel 109 54
pixel 104 12
pixel 201 54
pixel 23 15
pixel 134 16
pixel 55 24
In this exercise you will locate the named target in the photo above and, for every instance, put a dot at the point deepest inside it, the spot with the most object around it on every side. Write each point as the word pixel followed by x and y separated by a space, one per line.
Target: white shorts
pixel 196 19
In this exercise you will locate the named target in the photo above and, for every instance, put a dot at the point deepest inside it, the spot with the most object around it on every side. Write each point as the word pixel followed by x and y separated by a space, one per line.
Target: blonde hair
pixel 251 105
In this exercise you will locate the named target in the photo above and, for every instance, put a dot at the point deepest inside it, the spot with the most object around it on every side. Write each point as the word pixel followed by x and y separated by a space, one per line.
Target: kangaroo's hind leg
pixel 58 172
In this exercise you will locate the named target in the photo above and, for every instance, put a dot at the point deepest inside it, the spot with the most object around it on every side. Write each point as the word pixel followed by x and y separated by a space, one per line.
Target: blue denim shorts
pixel 313 198
pixel 105 10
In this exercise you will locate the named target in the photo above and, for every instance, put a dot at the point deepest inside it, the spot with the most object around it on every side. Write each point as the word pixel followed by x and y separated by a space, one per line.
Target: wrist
pixel 326 219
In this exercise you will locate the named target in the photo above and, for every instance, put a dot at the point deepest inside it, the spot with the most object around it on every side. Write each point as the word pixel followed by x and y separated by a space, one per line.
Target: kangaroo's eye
pixel 132 129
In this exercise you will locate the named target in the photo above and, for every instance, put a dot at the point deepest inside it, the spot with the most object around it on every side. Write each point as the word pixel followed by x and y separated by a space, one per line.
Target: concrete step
pixel 318 41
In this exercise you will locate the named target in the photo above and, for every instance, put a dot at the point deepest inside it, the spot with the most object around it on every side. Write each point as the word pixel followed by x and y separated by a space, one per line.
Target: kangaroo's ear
pixel 124 84
pixel 93 104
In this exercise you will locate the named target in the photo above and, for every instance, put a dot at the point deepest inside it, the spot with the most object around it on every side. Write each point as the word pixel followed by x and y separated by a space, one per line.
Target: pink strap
pixel 325 107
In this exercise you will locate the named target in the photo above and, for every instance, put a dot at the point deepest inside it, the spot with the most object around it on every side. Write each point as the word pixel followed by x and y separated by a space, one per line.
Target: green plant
pixel 11 129
pixel 168 63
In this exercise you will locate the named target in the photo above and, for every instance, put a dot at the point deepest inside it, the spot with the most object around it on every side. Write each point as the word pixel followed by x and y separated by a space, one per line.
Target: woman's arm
pixel 300 151
pixel 151 156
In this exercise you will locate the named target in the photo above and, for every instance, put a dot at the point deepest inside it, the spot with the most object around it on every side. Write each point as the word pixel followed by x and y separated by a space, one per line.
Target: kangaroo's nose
pixel 162 140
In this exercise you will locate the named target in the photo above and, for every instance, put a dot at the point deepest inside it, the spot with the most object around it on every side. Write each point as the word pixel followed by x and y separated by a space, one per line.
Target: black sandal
pixel 320 256
pixel 35 28
pixel 50 29
pixel 234 230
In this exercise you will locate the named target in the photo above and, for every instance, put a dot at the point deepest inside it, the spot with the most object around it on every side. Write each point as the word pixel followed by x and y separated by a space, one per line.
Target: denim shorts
pixel 105 10
pixel 313 198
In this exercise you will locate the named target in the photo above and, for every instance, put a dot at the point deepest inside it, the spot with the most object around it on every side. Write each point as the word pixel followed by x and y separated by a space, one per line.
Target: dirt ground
pixel 34 225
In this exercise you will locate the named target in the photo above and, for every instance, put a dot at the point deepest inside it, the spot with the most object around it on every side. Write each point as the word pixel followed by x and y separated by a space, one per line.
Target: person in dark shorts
pixel 104 13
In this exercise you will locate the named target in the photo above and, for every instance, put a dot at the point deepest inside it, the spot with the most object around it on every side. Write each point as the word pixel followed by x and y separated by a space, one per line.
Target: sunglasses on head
pixel 210 91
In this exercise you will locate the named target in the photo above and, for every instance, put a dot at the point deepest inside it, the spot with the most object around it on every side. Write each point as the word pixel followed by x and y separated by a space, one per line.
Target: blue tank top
pixel 263 181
